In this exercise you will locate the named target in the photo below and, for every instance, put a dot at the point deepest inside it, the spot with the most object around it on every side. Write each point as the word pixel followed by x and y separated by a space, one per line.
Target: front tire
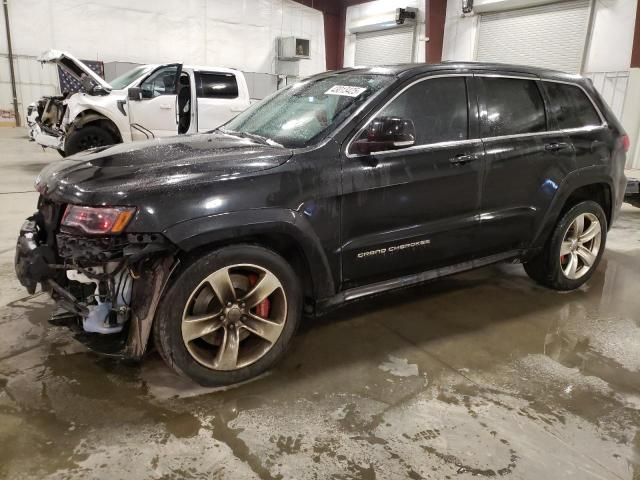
pixel 229 315
pixel 87 137
pixel 574 249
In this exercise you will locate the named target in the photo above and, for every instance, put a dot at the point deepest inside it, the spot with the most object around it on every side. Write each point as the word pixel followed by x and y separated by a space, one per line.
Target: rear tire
pixel 87 137
pixel 571 241
pixel 220 336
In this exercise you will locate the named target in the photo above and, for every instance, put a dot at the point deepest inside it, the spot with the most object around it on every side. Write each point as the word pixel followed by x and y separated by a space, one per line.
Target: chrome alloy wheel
pixel 234 317
pixel 580 246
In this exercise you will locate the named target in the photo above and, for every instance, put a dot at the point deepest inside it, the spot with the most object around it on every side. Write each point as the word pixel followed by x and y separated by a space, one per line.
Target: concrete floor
pixel 479 375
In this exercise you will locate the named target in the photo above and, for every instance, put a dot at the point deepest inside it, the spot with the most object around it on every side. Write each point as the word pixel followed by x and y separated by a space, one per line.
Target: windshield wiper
pixel 252 136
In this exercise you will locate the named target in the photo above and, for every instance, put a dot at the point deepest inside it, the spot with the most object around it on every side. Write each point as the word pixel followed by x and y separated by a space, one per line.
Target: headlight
pixel 97 220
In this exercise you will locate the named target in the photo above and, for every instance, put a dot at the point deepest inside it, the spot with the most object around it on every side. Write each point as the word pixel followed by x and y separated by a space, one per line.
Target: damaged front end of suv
pixel 100 242
pixel 106 284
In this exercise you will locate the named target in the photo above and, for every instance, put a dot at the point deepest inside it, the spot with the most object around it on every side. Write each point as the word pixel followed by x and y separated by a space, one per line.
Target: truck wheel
pixel 87 137
pixel 229 315
pixel 574 249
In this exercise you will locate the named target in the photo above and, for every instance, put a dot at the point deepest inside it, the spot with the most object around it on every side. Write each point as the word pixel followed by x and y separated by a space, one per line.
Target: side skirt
pixel 355 293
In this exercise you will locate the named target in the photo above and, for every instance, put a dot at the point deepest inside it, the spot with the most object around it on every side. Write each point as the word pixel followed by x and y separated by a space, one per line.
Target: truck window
pixel 217 85
pixel 512 106
pixel 570 106
pixel 161 82
pixel 437 107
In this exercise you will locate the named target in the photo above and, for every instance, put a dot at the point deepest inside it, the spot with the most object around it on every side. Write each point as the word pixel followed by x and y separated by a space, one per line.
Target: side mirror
pixel 99 90
pixel 385 133
pixel 134 93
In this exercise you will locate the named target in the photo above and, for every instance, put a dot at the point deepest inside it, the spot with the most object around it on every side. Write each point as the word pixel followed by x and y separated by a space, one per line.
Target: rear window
pixel 217 85
pixel 513 106
pixel 570 106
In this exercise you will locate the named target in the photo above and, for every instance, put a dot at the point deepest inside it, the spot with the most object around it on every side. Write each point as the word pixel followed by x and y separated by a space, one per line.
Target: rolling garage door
pixel 385 47
pixel 551 36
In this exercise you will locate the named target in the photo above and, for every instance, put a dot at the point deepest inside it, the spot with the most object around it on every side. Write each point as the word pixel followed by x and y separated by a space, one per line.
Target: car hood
pixel 121 174
pixel 73 66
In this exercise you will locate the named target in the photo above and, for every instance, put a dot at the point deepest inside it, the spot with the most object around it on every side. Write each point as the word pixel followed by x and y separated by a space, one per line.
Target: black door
pixel 527 158
pixel 576 115
pixel 414 208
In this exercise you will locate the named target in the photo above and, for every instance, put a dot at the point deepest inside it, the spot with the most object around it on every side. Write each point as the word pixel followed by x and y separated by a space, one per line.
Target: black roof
pixel 410 69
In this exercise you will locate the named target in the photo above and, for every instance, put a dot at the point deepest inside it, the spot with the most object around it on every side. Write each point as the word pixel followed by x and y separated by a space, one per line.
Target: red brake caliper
pixel 264 307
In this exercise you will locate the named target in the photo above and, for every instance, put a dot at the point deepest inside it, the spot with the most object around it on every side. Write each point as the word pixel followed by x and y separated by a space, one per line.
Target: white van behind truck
pixel 146 102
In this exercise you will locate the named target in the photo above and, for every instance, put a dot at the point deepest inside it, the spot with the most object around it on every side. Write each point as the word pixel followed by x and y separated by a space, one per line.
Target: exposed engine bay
pixel 106 287
pixel 47 116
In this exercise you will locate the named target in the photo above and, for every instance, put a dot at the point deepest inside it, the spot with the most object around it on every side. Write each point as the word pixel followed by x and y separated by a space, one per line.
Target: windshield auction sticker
pixel 345 90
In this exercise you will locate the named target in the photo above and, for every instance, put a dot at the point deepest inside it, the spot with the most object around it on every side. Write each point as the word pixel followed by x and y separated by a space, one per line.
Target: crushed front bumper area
pixel 107 289
pixel 46 137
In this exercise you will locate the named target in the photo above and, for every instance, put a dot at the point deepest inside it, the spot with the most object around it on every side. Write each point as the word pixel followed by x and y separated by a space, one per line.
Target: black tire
pixel 545 267
pixel 90 136
pixel 61 152
pixel 167 329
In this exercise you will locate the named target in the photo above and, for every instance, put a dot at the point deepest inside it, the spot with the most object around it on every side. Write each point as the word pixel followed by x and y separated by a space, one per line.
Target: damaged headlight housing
pixel 97 220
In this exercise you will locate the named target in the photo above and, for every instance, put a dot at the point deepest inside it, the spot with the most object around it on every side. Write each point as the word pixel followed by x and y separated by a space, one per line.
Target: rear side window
pixel 570 106
pixel 217 85
pixel 437 107
pixel 513 106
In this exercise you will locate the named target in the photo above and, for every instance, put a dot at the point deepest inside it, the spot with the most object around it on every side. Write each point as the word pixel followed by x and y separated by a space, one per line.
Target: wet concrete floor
pixel 483 374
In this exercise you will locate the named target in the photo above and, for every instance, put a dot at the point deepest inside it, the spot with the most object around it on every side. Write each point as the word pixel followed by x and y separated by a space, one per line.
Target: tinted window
pixel 513 106
pixel 161 82
pixel 437 107
pixel 570 106
pixel 217 85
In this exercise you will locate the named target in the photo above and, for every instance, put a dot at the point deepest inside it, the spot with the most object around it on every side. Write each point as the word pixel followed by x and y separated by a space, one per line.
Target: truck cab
pixel 147 102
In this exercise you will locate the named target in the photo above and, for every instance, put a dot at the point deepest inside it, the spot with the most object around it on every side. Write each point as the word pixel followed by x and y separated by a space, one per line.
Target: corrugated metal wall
pixel 551 36
pixel 385 47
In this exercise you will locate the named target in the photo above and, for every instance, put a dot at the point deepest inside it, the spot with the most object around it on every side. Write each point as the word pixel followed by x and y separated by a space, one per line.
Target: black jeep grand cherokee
pixel 346 184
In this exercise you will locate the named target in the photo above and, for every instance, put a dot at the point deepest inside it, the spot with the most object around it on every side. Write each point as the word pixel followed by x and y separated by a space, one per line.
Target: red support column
pixel 435 18
pixel 635 53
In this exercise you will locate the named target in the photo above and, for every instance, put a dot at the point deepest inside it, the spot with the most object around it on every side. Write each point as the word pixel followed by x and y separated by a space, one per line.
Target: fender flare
pixel 199 232
pixel 596 174
pixel 83 119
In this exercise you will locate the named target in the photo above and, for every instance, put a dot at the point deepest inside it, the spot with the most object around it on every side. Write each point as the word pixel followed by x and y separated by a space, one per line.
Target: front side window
pixel 217 85
pixel 570 106
pixel 437 107
pixel 300 115
pixel 161 82
pixel 129 77
pixel 512 106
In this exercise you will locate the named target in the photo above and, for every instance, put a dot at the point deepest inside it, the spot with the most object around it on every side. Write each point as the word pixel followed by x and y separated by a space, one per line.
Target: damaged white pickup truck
pixel 146 102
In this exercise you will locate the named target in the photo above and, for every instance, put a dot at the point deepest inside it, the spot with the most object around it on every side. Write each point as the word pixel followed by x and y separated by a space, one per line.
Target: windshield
pixel 125 79
pixel 307 111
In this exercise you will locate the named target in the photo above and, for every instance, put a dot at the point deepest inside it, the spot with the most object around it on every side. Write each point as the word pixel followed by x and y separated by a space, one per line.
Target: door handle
pixel 165 106
pixel 462 158
pixel 556 146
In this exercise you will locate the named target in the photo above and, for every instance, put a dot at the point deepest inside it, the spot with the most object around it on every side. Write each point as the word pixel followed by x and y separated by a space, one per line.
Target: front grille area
pixel 87 251
pixel 48 219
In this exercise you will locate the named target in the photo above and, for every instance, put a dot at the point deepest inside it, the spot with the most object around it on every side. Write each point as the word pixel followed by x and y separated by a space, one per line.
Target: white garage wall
pixel 239 34
pixel 609 48
pixel 372 12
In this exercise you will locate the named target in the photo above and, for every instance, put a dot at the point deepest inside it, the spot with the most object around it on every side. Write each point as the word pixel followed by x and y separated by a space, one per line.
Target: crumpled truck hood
pixel 125 173
pixel 73 66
